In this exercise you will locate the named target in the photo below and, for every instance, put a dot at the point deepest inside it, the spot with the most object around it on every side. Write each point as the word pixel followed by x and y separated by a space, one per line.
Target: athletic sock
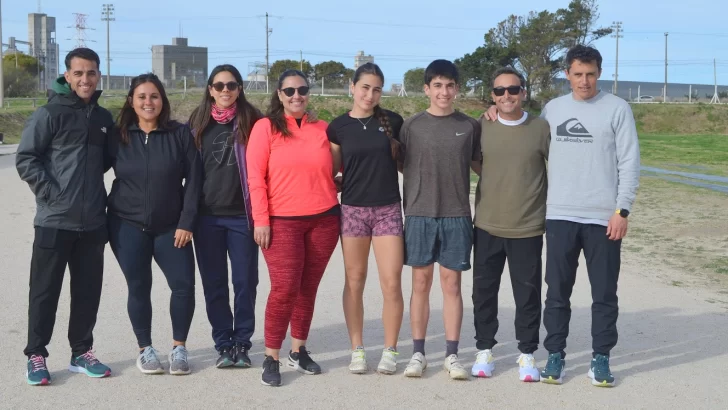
pixel 451 347
pixel 419 346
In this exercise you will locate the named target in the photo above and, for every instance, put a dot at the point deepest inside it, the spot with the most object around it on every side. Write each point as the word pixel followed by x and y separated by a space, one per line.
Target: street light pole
pixel 2 84
pixel 107 12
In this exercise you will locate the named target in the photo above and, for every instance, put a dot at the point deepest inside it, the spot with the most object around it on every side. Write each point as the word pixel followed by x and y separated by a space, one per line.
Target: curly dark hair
pixel 585 54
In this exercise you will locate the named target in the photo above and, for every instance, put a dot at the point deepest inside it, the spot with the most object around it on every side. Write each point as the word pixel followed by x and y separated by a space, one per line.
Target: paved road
pixel 7 161
pixel 672 350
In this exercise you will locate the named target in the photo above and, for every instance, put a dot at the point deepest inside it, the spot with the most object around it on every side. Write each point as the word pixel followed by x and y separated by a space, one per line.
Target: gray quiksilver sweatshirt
pixel 594 160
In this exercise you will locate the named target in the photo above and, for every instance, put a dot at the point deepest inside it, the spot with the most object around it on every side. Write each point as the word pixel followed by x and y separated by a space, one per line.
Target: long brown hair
pixel 246 116
pixel 127 115
pixel 373 69
pixel 276 113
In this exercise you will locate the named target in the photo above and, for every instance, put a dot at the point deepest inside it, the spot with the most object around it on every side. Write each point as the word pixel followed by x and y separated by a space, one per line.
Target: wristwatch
pixel 622 212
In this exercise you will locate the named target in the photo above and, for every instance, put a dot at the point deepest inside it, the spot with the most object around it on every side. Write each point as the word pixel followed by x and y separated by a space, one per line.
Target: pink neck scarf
pixel 224 115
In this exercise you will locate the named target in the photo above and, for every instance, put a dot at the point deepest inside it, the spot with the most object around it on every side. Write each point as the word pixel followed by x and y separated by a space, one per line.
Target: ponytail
pixel 383 118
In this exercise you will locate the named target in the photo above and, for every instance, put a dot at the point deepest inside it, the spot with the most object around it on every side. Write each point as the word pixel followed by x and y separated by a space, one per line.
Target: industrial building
pixel 43 45
pixel 173 63
pixel 361 59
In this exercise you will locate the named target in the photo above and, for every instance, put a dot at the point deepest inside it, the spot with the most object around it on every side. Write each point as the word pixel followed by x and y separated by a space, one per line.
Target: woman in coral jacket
pixel 296 217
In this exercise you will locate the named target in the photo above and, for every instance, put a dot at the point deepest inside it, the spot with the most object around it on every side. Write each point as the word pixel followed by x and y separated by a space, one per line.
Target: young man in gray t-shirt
pixel 440 146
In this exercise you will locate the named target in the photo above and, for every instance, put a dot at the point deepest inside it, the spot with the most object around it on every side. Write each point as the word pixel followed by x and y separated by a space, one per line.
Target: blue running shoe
pixel 554 373
pixel 89 365
pixel 37 373
pixel 599 371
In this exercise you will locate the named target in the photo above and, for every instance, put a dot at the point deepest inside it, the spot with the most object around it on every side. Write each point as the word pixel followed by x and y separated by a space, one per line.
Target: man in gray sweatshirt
pixel 593 175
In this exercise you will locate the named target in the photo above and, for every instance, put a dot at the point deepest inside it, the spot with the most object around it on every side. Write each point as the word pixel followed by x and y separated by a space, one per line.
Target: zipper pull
pixel 146 139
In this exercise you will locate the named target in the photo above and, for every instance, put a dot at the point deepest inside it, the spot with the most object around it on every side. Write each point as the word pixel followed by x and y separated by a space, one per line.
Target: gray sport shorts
pixel 447 241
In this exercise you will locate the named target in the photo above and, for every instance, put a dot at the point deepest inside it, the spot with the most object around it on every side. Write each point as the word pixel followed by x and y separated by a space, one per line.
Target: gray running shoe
pixel 178 364
pixel 148 363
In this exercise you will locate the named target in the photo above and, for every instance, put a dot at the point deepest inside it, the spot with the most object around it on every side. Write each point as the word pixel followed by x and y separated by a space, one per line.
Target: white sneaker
pixel 484 365
pixel 416 365
pixel 358 363
pixel 388 363
pixel 528 372
pixel 454 368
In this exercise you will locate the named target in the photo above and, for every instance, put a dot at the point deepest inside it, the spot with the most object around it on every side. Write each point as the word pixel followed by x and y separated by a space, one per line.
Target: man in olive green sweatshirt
pixel 510 217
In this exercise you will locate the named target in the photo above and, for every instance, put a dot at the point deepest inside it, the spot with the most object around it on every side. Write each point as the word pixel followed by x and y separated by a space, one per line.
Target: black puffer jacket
pixel 61 157
pixel 148 190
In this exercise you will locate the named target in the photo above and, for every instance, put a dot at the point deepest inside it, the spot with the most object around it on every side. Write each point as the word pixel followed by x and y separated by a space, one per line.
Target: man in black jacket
pixel 61 157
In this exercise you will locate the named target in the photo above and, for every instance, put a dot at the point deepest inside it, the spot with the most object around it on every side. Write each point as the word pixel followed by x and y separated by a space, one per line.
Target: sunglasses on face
pixel 512 90
pixel 231 86
pixel 302 90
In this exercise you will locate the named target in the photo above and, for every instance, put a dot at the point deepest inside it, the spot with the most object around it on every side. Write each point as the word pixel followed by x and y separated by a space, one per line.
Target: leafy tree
pixel 22 61
pixel 414 79
pixel 334 74
pixel 579 21
pixel 535 42
pixel 278 67
pixel 18 82
pixel 476 68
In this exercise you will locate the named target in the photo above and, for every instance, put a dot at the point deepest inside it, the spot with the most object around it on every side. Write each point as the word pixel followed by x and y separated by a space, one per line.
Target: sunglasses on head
pixel 231 86
pixel 512 90
pixel 302 90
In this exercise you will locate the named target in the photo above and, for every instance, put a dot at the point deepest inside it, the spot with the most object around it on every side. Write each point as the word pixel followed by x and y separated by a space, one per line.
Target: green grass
pixel 671 151
pixel 718 265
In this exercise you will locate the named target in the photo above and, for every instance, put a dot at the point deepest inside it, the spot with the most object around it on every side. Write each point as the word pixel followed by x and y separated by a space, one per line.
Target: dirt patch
pixel 680 234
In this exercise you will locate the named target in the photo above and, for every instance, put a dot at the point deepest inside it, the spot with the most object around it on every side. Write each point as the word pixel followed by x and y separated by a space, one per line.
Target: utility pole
pixel 107 11
pixel 268 31
pixel 301 60
pixel 2 85
pixel 716 99
pixel 617 26
pixel 664 90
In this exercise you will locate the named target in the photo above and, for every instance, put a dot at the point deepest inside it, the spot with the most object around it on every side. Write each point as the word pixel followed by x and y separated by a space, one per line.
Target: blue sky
pixel 399 36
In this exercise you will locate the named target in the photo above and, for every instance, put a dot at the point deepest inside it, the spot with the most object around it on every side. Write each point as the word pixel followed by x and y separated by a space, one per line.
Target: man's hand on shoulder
pixel 491 114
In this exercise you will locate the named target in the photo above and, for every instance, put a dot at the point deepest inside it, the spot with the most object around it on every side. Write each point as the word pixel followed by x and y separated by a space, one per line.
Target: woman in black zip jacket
pixel 221 126
pixel 152 214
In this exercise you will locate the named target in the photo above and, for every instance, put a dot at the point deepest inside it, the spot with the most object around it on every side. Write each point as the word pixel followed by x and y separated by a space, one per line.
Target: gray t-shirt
pixel 438 152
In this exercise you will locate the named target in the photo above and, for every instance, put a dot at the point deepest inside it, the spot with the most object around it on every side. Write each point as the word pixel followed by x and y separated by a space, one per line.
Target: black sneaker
pixel 271 372
pixel 240 356
pixel 302 362
pixel 226 358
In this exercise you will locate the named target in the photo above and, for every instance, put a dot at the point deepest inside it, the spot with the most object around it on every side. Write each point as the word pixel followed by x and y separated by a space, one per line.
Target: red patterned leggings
pixel 297 257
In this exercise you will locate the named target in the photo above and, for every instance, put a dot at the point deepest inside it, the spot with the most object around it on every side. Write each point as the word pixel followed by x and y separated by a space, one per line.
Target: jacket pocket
pixel 50 194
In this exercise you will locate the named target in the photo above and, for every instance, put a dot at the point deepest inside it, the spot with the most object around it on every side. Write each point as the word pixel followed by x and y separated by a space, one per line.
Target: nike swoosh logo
pixel 457 134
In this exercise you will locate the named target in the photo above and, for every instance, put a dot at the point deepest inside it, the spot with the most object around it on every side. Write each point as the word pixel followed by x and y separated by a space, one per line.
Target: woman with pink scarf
pixel 221 127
